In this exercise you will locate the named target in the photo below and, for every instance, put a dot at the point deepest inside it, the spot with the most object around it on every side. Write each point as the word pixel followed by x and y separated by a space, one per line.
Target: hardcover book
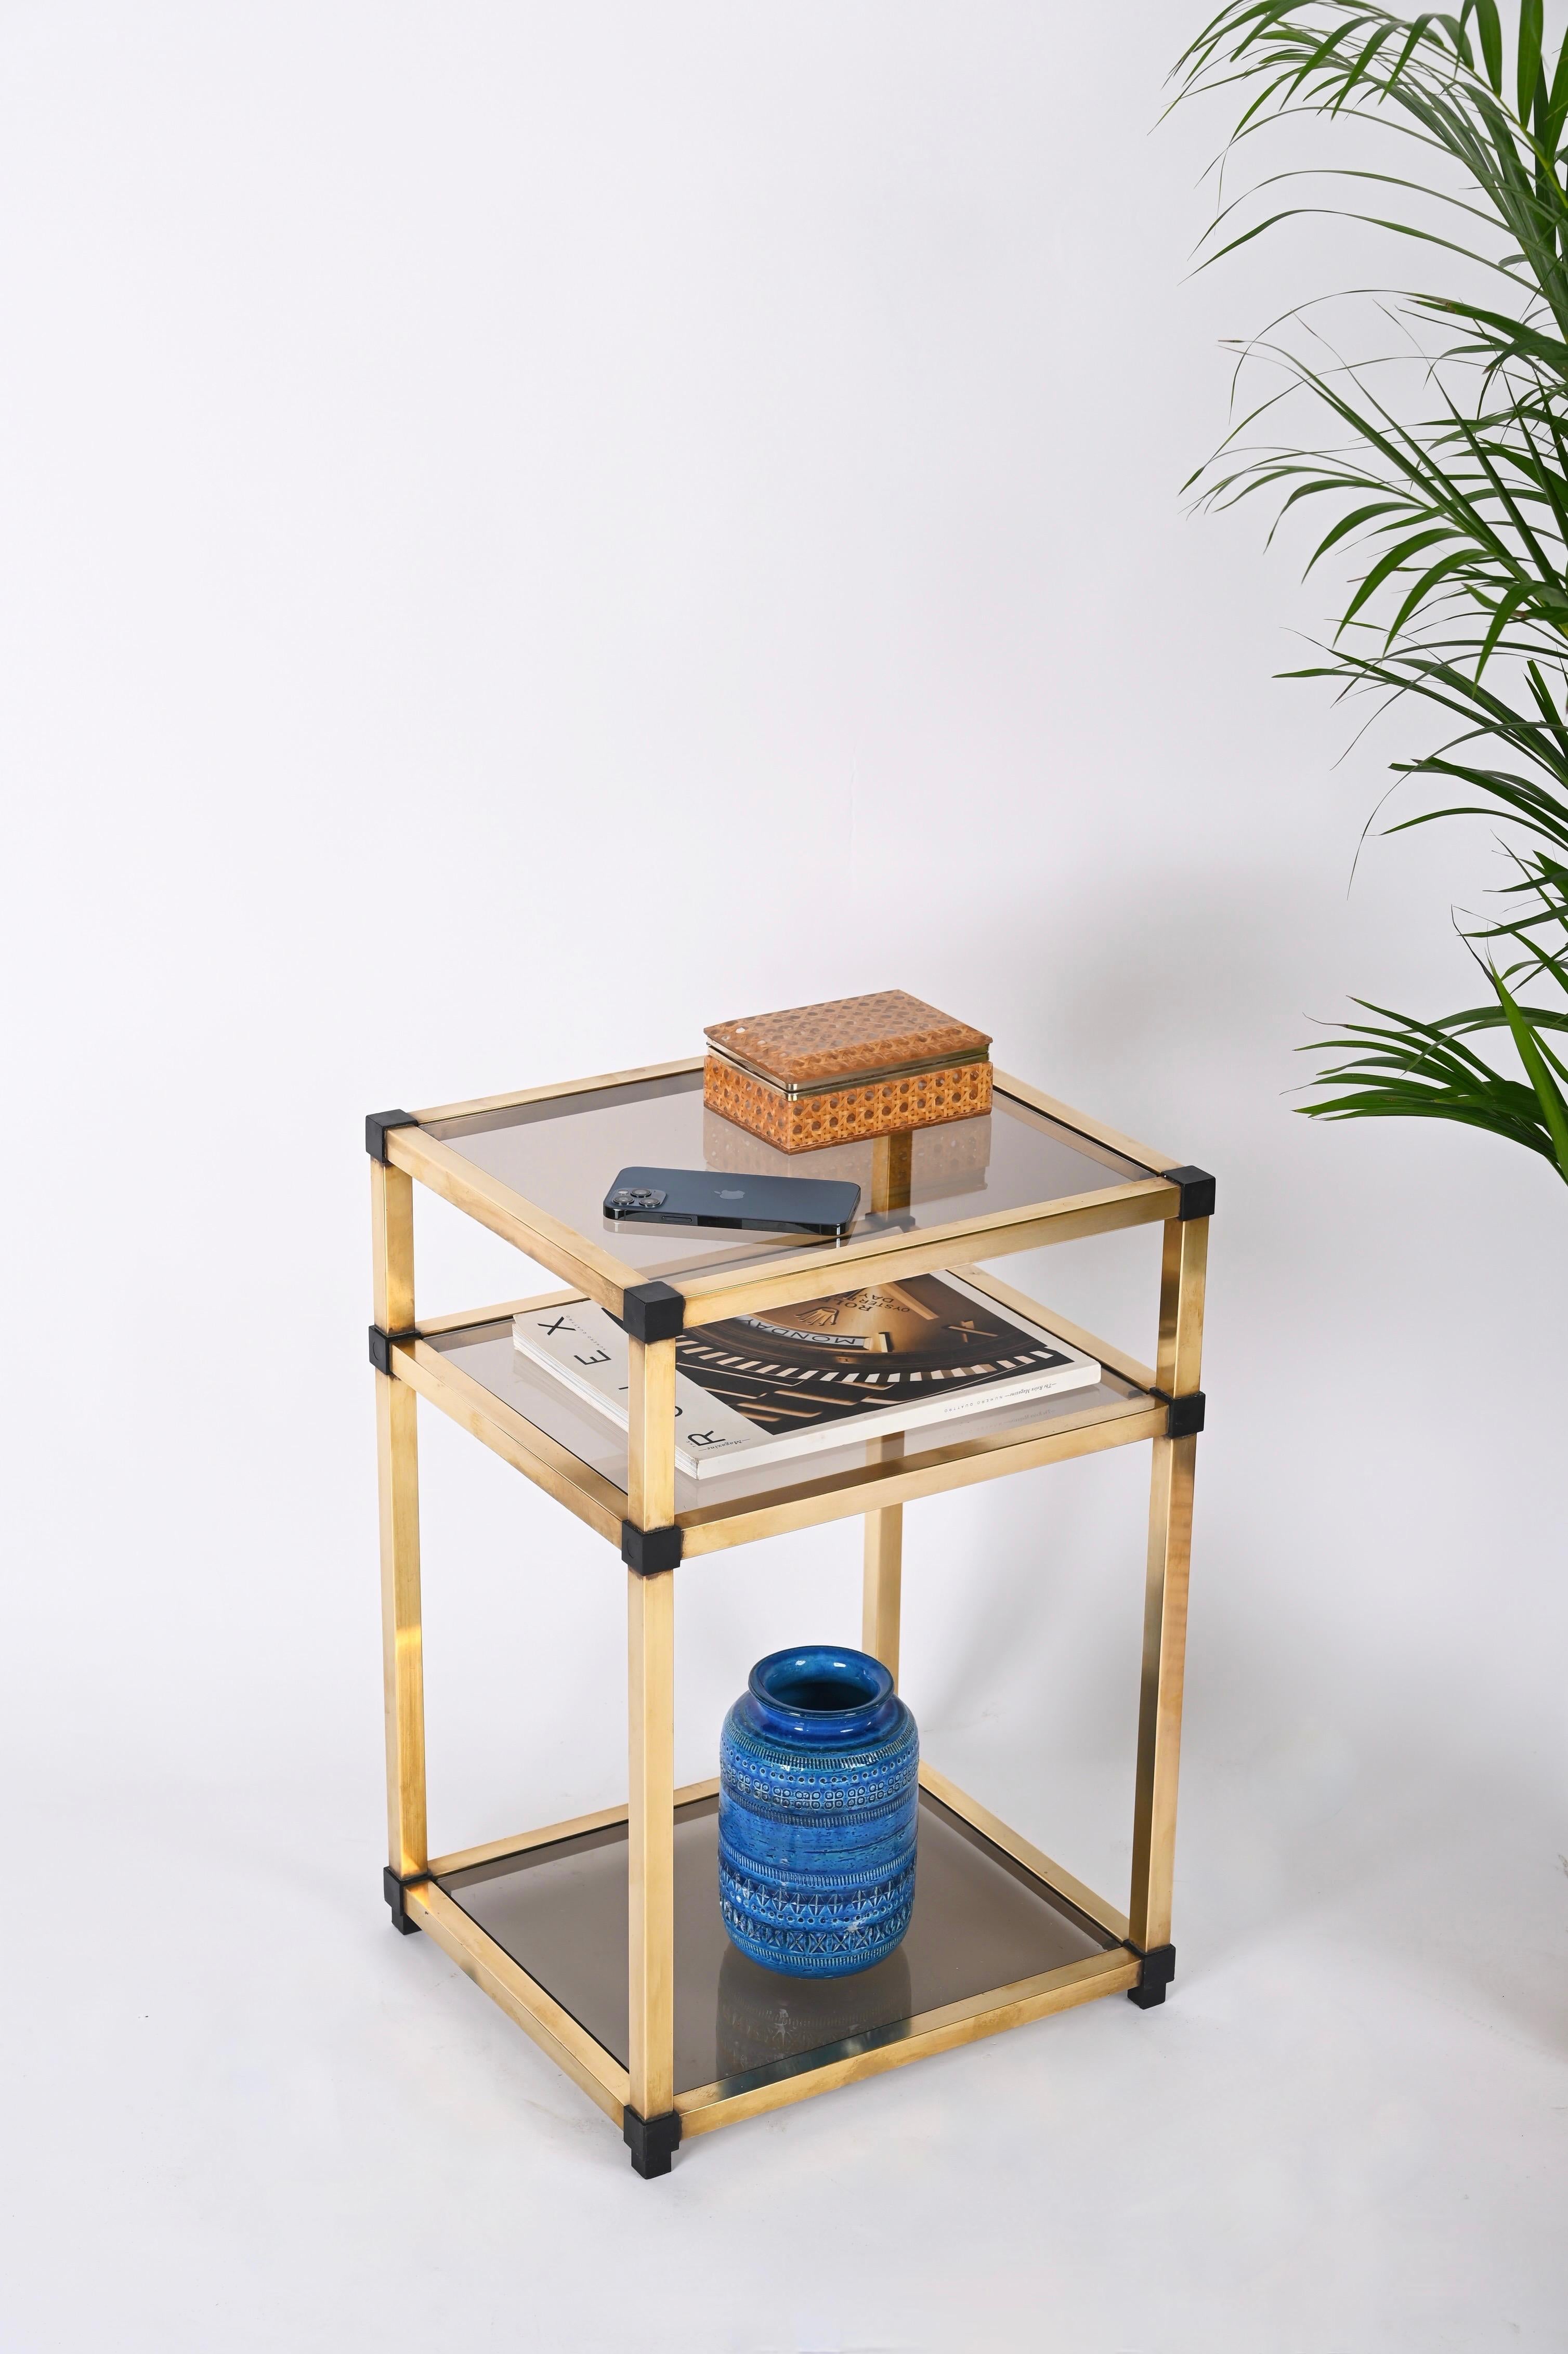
pixel 827 1372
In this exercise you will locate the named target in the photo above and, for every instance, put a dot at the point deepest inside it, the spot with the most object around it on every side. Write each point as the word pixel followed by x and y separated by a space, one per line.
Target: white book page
pixel 585 1348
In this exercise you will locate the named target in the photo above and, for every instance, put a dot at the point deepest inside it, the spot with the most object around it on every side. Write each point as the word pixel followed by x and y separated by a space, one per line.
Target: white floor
pixel 271 2122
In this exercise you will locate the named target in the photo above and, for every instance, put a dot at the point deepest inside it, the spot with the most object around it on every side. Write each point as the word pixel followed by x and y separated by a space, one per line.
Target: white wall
pixel 526 530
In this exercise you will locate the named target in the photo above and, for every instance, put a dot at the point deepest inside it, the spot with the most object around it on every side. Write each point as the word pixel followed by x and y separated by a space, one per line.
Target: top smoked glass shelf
pixel 561 1152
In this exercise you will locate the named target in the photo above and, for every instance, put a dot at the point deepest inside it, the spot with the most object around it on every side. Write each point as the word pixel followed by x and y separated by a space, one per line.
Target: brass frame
pixel 898 1472
pixel 398 1463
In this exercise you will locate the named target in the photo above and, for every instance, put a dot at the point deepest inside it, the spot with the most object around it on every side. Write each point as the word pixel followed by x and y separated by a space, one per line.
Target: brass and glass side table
pixel 601 1937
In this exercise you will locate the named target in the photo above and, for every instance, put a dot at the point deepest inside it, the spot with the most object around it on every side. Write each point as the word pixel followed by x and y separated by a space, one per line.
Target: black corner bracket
pixel 376 1124
pixel 1197 1192
pixel 653 2141
pixel 381 1346
pixel 1185 1420
pixel 649 1550
pixel 1159 1970
pixel 652 1311
pixel 392 1889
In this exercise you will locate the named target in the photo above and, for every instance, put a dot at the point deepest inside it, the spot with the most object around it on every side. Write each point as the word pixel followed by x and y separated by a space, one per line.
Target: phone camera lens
pixel 637 1197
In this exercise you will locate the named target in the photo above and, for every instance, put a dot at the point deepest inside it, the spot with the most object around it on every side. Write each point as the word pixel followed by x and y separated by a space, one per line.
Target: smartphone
pixel 709 1197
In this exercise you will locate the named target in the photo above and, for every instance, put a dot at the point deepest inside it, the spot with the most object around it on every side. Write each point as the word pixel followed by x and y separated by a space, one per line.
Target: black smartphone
pixel 708 1197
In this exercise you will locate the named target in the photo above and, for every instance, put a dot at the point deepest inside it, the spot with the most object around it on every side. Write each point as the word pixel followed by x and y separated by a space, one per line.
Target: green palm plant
pixel 1442 469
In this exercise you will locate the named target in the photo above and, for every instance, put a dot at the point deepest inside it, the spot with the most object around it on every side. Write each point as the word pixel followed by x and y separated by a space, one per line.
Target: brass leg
pixel 650 1437
pixel 1160 1712
pixel 652 2127
pixel 651 1860
pixel 1178 1359
pixel 882 1591
pixel 392 1247
pixel 398 1459
pixel 882 1584
pixel 1178 1365
pixel 892 1163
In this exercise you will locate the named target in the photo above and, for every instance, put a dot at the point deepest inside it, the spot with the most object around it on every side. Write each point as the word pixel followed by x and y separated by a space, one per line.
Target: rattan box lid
pixel 847 1037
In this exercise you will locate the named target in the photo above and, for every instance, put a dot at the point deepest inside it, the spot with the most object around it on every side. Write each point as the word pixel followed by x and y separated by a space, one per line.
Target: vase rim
pixel 789 1685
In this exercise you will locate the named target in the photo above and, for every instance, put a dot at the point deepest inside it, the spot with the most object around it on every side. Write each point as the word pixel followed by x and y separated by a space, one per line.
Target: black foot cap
pixel 392 1889
pixel 653 2141
pixel 1158 1969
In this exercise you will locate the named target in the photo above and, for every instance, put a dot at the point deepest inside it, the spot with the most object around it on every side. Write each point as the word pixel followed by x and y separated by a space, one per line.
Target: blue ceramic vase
pixel 818 1799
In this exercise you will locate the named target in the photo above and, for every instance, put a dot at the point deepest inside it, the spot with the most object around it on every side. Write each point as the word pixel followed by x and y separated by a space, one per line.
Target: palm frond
pixel 1438 475
pixel 1401 1069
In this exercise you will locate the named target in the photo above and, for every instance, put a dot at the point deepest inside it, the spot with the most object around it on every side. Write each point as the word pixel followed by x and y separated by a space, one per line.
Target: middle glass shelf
pixel 464 1368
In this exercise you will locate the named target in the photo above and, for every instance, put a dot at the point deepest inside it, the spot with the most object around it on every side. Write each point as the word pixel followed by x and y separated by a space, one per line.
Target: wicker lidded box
pixel 847 1070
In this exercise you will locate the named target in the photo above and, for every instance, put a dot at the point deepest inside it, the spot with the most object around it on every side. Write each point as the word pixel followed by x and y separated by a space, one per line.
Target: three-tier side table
pixel 601 1937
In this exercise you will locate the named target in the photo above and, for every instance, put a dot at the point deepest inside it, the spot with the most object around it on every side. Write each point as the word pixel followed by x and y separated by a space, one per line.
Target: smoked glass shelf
pixel 982 1920
pixel 533 1420
pixel 561 1151
pixel 602 1936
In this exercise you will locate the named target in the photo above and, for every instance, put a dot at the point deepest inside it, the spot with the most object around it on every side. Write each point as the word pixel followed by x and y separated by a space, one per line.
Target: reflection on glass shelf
pixel 980 1921
pixel 485 1353
pixel 563 1154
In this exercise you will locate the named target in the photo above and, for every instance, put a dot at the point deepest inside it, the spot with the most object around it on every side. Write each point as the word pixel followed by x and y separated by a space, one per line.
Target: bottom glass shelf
pixel 980 1921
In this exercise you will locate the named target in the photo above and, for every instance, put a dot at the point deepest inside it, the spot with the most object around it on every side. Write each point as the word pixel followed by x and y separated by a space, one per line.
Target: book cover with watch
pixel 826 1373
